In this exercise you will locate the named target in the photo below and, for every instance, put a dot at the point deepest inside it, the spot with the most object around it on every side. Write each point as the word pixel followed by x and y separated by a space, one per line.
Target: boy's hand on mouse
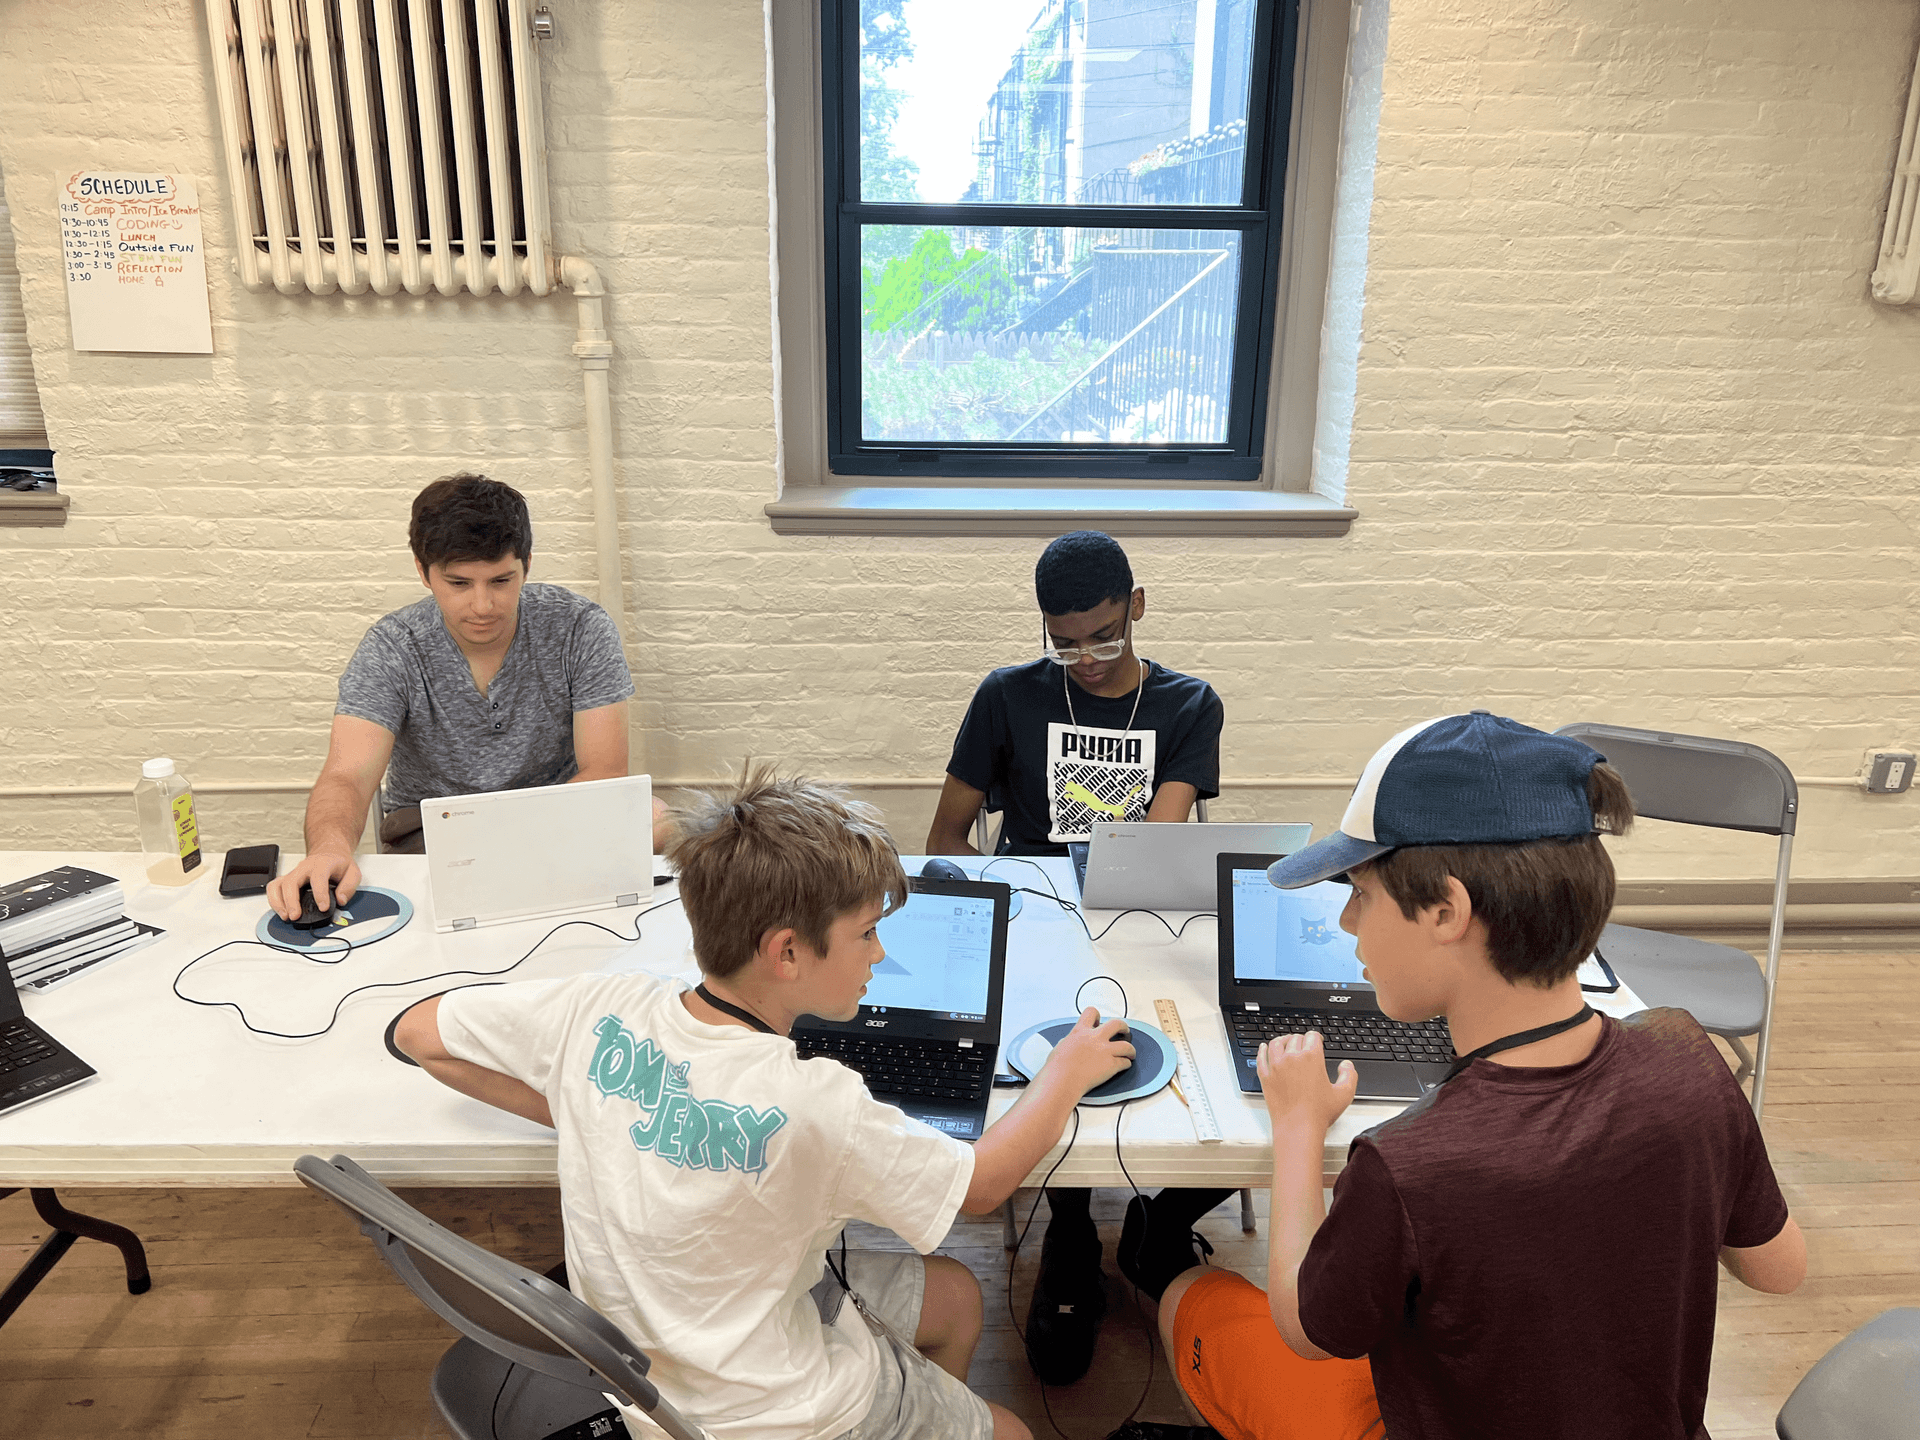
pixel 1091 1053
pixel 1293 1079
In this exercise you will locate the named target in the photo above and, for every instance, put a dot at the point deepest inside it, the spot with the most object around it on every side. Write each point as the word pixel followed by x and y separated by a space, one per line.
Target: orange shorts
pixel 1241 1376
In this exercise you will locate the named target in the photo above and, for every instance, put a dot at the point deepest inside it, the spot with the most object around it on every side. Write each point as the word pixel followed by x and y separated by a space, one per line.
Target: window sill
pixel 27 508
pixel 996 510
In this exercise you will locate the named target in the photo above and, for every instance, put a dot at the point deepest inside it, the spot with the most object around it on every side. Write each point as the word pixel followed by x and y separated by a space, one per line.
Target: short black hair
pixel 1079 571
pixel 469 517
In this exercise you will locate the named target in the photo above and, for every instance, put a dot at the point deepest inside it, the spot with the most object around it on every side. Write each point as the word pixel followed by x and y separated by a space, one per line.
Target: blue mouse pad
pixel 372 915
pixel 1153 1064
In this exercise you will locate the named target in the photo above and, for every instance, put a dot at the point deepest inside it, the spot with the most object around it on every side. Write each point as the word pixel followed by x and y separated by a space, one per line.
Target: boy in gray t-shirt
pixel 490 683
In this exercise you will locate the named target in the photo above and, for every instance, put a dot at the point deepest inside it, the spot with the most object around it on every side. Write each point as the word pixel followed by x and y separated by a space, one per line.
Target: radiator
pixel 384 145
pixel 1897 275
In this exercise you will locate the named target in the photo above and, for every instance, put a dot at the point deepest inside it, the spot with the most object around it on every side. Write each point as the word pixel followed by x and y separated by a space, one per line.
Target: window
pixel 1051 243
pixel 1044 262
pixel 27 493
pixel 22 427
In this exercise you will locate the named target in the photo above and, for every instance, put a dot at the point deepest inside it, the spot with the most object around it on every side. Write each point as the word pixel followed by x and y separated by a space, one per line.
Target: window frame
pixel 813 499
pixel 1258 220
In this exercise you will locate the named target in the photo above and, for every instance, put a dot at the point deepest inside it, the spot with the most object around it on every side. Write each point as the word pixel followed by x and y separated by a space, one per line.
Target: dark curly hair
pixel 469 517
pixel 1080 570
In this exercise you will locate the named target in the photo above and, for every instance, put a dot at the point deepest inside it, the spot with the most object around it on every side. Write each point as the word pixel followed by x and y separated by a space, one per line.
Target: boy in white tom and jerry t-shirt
pixel 705 1168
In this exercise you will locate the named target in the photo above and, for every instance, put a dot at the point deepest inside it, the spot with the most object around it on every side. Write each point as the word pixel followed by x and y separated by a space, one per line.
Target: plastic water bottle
pixel 169 832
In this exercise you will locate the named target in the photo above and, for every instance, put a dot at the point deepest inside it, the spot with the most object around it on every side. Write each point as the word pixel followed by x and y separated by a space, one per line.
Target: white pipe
pixel 381 276
pixel 594 348
pixel 466 144
pixel 293 115
pixel 228 58
pixel 493 98
pixel 530 114
pixel 406 220
pixel 347 272
pixel 433 150
pixel 267 139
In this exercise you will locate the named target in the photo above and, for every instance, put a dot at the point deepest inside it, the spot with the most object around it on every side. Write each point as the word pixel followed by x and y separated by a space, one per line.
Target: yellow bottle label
pixel 186 831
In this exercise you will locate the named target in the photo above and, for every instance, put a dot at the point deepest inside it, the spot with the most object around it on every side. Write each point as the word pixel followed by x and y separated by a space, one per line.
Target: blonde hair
pixel 772 854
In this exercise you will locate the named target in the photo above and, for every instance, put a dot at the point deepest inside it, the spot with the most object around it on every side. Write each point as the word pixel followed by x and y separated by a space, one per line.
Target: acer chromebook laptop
pixel 1287 967
pixel 33 1065
pixel 928 1032
pixel 1142 865
pixel 531 854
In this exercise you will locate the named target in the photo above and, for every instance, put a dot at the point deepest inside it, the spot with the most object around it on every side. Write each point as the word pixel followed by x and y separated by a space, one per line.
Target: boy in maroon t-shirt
pixel 1529 1249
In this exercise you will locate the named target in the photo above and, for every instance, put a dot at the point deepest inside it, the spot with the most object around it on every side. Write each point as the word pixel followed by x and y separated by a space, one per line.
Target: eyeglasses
pixel 1073 654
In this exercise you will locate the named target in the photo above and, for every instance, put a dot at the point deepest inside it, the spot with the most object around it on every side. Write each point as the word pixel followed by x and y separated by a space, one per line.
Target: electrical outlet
pixel 1889 772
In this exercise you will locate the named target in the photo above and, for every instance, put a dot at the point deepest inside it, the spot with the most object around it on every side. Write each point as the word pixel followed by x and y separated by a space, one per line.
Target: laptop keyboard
pixel 1362 1036
pixel 926 1069
pixel 21 1045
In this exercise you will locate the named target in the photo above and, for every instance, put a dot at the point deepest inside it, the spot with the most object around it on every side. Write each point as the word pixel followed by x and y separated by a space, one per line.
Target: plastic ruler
pixel 1205 1125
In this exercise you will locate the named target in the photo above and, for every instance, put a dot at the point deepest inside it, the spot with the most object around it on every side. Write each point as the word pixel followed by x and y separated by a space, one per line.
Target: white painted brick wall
pixel 1631 442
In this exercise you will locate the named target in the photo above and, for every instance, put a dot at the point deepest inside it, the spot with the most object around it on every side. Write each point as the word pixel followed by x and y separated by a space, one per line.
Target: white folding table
pixel 186 1096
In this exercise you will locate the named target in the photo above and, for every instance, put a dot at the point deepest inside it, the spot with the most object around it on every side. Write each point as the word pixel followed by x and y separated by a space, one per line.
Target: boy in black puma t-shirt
pixel 1085 732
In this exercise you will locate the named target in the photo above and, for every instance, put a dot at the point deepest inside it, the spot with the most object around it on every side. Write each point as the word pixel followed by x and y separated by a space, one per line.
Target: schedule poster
pixel 136 268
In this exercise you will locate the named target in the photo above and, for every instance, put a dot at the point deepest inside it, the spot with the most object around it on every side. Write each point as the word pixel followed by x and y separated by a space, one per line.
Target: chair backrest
pixel 1697 781
pixel 1865 1388
pixel 512 1311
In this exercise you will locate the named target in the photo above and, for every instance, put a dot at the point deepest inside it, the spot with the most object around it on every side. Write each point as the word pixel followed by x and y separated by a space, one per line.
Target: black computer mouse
pixel 938 869
pixel 311 916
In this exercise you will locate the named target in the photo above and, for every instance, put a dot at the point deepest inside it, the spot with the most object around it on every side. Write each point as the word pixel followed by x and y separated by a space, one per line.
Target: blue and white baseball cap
pixel 1475 779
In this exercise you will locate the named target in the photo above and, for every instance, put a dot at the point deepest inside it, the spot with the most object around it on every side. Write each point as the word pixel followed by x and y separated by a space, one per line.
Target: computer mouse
pixel 938 869
pixel 311 916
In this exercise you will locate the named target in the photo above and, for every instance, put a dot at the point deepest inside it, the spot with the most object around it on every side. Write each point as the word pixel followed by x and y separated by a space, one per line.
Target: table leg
pixel 1246 1212
pixel 68 1226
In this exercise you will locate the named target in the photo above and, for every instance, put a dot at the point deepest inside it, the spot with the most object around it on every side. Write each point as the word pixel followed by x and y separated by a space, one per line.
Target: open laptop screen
pixel 1292 935
pixel 939 957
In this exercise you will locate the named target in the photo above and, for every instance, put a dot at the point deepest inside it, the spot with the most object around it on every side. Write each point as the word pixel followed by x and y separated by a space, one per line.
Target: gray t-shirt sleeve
pixel 375 684
pixel 598 666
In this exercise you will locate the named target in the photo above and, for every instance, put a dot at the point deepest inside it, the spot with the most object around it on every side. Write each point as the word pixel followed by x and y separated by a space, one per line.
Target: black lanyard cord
pixel 1513 1042
pixel 727 1007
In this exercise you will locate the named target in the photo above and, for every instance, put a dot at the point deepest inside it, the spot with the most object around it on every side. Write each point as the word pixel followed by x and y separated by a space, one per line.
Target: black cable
pixel 493 1411
pixel 1126 1006
pixel 1152 1338
pixel 1013 1259
pixel 340 1004
pixel 1074 910
pixel 839 1272
pixel 1153 1347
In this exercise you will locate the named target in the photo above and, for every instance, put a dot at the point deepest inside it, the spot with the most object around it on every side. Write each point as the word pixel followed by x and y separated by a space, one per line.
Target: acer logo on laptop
pixel 1338 999
pixel 877 1024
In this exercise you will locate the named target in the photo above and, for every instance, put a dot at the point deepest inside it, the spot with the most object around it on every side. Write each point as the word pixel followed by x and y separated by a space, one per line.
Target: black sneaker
pixel 1154 1252
pixel 1154 1430
pixel 1069 1301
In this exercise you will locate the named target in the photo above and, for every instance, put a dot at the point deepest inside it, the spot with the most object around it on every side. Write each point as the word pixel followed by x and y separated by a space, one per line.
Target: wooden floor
pixel 271 1316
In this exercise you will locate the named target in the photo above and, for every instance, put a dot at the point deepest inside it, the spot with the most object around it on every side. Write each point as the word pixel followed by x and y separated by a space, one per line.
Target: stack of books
pixel 61 924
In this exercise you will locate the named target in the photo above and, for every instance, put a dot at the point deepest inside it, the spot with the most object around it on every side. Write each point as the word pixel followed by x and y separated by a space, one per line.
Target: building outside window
pixel 1052 235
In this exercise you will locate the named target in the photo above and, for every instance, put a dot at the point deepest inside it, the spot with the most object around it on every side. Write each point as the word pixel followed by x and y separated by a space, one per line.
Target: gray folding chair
pixel 536 1359
pixel 1865 1388
pixel 1727 785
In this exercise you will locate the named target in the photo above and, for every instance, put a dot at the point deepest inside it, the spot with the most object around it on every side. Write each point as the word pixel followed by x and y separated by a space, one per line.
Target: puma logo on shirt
pixel 1094 775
